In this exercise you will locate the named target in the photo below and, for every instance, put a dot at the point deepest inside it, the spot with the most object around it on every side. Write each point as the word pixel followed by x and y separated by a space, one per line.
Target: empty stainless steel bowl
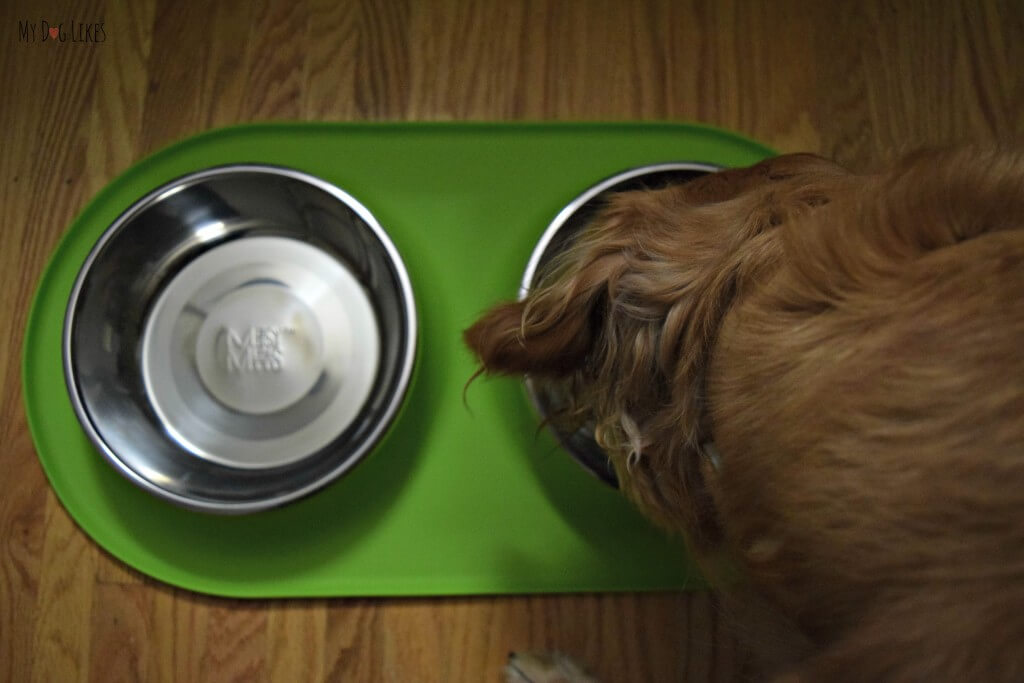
pixel 559 236
pixel 239 338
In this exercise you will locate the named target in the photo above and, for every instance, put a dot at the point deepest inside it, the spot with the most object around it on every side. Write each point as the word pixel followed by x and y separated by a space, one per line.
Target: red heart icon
pixel 53 33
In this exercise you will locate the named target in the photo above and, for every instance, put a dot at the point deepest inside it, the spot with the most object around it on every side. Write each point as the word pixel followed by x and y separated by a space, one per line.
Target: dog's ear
pixel 518 338
pixel 551 333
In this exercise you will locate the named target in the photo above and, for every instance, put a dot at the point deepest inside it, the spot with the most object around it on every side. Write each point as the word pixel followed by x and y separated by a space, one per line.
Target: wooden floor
pixel 859 81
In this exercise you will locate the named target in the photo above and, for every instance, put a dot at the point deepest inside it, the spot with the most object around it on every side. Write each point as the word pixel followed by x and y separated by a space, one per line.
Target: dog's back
pixel 870 395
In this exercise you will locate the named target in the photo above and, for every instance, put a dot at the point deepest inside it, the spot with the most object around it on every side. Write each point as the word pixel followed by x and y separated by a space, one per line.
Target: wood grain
pixel 861 82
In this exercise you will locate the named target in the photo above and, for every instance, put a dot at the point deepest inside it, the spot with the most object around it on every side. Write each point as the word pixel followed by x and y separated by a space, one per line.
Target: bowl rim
pixel 590 193
pixel 397 399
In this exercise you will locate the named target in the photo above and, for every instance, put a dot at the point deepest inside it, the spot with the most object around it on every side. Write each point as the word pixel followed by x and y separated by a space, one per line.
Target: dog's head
pixel 624 322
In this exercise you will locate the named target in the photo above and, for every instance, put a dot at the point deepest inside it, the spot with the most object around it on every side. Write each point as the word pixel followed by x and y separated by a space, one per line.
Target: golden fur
pixel 820 376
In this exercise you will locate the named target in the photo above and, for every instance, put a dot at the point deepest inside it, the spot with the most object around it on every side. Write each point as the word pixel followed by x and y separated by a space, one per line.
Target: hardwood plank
pixel 411 641
pixel 382 59
pixel 177 70
pixel 351 650
pixel 296 634
pixel 115 127
pixel 22 534
pixel 121 634
pixel 48 86
pixel 455 75
pixel 226 65
pixel 991 54
pixel 236 646
pixel 180 626
pixel 273 88
pixel 63 638
pixel 630 637
pixel 330 61
pixel 46 149
pixel 474 637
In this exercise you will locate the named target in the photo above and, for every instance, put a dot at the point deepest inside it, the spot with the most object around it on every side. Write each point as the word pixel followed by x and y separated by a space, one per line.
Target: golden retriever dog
pixel 817 379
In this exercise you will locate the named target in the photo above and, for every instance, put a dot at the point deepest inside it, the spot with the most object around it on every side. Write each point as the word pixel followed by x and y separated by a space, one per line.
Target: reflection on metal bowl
pixel 239 338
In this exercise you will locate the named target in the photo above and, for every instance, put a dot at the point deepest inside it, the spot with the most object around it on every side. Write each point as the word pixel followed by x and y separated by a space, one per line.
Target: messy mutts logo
pixel 63 32
pixel 257 350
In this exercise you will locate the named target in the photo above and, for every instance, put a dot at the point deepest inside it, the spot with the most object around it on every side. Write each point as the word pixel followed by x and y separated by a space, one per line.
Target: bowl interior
pixel 264 231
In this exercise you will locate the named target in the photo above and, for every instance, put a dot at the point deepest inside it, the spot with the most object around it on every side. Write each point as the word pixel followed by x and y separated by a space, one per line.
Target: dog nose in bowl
pixel 558 237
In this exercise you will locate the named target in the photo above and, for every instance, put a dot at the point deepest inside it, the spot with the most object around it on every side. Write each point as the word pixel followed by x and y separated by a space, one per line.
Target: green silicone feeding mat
pixel 459 498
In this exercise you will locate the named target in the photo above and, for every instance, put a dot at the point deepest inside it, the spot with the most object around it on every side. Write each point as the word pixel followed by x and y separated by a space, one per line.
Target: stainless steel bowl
pixel 559 236
pixel 239 338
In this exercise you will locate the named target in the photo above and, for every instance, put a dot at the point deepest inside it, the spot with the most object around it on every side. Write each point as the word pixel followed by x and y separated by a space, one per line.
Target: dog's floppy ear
pixel 540 336
pixel 550 334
